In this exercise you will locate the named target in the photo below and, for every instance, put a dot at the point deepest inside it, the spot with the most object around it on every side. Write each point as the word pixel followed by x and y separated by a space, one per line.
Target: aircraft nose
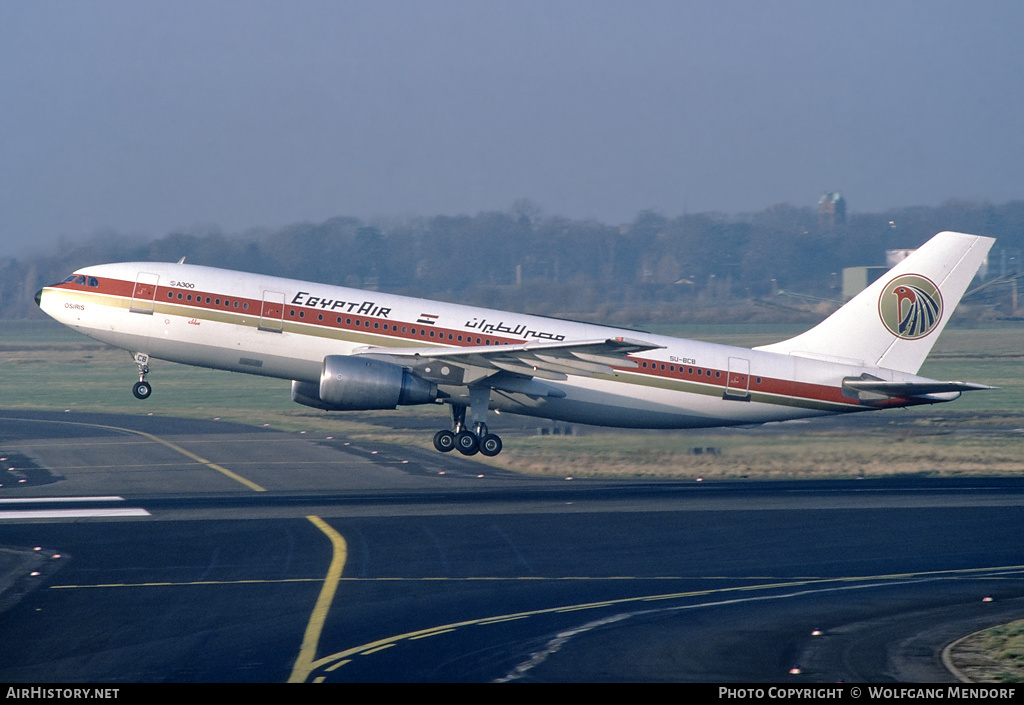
pixel 39 295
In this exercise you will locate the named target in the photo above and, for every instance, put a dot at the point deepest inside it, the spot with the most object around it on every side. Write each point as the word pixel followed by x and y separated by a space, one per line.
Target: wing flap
pixel 529 371
pixel 572 367
pixel 545 360
pixel 515 384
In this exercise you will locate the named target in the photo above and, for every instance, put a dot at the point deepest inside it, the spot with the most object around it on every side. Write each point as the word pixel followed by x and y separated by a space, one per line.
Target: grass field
pixel 994 655
pixel 46 366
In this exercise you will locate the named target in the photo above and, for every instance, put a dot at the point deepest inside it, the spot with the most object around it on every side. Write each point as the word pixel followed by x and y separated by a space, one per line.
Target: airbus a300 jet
pixel 351 350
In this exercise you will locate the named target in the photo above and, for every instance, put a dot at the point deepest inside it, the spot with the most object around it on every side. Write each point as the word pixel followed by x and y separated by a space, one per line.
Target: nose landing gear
pixel 142 388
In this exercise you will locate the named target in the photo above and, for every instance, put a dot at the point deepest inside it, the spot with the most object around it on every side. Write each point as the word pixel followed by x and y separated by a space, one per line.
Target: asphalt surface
pixel 146 549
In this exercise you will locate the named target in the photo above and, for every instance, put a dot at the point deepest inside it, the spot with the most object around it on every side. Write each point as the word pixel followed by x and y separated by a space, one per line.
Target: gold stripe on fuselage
pixel 319 330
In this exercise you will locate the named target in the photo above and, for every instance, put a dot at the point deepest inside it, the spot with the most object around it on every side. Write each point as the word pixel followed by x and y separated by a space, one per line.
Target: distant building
pixel 1009 261
pixel 831 209
pixel 857 279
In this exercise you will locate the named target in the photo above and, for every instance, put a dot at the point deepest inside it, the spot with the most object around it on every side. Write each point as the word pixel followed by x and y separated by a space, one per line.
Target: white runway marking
pixel 74 513
pixel 34 500
pixel 56 513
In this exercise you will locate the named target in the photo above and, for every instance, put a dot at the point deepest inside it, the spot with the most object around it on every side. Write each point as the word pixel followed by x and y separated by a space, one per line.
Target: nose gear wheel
pixel 142 388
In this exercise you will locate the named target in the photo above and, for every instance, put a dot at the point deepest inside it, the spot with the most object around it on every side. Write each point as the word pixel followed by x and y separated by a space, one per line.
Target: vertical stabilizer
pixel 895 321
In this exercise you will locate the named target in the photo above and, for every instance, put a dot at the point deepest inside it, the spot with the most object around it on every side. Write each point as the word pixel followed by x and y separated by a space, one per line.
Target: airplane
pixel 351 350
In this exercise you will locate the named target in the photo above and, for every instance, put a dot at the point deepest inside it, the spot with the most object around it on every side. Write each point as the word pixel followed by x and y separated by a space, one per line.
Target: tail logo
pixel 910 306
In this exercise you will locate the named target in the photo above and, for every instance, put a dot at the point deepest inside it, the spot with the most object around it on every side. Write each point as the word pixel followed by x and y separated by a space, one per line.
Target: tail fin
pixel 895 321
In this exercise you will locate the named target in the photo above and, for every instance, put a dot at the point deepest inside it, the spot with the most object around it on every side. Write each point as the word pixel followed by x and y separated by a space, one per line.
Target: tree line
pixel 780 264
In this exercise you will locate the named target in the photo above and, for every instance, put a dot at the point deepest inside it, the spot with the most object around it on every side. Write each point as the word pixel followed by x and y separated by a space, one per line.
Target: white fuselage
pixel 285 328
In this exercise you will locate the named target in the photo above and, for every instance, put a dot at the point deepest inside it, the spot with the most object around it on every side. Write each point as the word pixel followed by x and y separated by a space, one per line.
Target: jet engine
pixel 362 384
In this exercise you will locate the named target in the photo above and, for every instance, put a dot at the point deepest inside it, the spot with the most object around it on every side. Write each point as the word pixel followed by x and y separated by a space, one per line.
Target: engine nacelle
pixel 362 384
pixel 308 394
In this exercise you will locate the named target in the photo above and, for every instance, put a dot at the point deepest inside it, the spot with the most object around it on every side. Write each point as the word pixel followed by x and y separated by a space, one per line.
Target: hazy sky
pixel 145 117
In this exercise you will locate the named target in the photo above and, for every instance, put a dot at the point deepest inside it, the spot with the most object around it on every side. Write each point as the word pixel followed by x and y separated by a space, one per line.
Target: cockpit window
pixel 82 279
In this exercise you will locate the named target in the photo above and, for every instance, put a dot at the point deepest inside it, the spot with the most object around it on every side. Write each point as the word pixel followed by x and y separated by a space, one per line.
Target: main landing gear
pixel 474 437
pixel 142 388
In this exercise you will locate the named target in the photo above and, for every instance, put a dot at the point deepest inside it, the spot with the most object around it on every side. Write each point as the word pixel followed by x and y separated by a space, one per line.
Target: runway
pixel 252 555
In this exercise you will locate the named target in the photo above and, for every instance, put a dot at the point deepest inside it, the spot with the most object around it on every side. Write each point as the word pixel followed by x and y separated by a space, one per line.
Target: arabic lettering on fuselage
pixel 520 331
pixel 360 308
pixel 371 308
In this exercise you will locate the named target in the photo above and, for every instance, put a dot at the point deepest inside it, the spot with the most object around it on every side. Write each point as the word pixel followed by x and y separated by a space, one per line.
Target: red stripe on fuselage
pixel 411 331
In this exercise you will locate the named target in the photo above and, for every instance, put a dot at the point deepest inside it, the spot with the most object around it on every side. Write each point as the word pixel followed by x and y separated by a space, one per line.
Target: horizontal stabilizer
pixel 911 389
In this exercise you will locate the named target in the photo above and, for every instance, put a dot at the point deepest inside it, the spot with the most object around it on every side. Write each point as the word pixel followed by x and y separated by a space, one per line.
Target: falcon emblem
pixel 910 306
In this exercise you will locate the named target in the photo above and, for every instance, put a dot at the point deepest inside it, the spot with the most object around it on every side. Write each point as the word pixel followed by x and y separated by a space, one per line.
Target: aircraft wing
pixel 517 367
